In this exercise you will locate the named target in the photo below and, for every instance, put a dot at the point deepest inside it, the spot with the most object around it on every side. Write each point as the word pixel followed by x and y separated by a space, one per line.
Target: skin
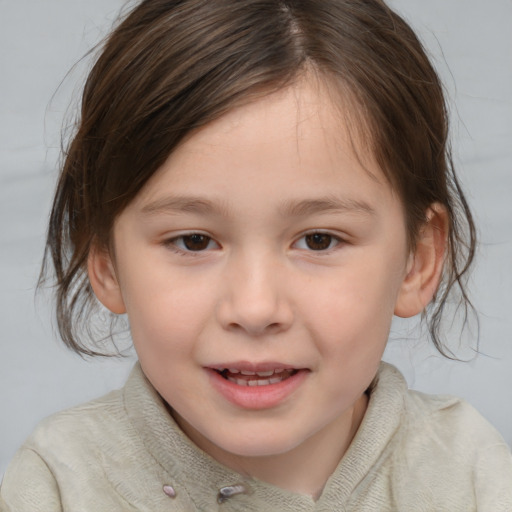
pixel 256 183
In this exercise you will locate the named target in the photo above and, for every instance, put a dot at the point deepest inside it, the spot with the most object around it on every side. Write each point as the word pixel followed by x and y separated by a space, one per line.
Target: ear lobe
pixel 103 279
pixel 425 266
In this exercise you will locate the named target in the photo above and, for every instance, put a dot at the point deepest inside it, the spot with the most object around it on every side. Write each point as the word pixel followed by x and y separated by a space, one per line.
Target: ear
pixel 103 279
pixel 425 264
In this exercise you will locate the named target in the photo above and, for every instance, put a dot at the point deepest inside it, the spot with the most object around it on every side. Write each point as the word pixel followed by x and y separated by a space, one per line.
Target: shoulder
pixel 61 444
pixel 457 455
pixel 452 423
pixel 79 432
pixel 90 457
pixel 80 428
pixel 450 420
pixel 441 418
pixel 29 484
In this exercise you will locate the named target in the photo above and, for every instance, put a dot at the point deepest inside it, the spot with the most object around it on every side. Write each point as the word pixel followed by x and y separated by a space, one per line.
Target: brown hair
pixel 172 66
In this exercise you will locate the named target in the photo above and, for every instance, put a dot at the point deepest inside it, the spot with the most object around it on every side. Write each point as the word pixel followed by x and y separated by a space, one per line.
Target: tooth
pixel 234 370
pixel 279 370
pixel 265 374
pixel 252 382
pixel 239 382
pixel 275 380
pixel 246 372
pixel 262 382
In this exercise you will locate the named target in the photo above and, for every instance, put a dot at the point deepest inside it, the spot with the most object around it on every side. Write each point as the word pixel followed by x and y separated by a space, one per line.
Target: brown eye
pixel 196 242
pixel 318 241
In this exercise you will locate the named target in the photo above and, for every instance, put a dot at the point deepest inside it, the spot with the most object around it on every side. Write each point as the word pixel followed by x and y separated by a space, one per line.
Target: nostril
pixel 255 329
pixel 252 316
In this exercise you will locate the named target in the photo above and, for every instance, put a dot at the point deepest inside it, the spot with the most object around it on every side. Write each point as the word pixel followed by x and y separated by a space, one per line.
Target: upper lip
pixel 264 366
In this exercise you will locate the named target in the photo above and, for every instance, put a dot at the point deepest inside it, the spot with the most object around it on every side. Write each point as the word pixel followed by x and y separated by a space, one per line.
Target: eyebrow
pixel 329 204
pixel 179 204
pixel 290 208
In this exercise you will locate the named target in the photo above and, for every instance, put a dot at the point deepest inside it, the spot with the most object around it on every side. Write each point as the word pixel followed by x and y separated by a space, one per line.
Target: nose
pixel 255 298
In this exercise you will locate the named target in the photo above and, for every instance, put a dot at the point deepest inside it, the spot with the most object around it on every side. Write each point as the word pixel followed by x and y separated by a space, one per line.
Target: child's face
pixel 262 244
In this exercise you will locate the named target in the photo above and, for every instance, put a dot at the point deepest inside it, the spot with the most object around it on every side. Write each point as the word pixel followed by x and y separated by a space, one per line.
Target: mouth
pixel 257 386
pixel 256 378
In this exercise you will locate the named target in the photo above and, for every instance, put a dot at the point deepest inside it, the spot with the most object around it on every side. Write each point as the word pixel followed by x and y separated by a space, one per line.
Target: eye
pixel 193 242
pixel 318 241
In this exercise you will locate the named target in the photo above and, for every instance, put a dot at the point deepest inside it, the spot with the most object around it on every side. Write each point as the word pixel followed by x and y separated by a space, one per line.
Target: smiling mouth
pixel 250 378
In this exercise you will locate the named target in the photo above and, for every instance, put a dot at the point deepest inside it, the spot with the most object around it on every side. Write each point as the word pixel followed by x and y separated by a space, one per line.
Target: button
pixel 228 492
pixel 169 490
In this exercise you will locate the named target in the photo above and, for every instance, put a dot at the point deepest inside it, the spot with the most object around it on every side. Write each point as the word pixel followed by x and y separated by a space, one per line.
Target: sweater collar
pixel 206 483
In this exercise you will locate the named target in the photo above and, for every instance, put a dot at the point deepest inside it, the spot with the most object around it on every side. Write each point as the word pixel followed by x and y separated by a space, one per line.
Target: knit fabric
pixel 124 452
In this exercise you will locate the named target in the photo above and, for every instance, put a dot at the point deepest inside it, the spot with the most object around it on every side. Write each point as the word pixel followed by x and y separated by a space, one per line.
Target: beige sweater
pixel 123 452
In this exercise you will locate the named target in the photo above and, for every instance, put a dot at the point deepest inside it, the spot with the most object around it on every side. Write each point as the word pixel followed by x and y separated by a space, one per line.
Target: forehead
pixel 299 142
pixel 310 109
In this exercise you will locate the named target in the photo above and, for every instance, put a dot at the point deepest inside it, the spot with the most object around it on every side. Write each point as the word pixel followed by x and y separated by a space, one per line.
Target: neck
pixel 304 469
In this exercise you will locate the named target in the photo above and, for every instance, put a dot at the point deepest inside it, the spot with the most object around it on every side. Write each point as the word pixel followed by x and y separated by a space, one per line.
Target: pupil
pixel 196 242
pixel 318 241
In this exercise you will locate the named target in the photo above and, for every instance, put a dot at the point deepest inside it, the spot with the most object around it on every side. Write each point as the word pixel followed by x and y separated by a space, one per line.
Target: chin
pixel 256 445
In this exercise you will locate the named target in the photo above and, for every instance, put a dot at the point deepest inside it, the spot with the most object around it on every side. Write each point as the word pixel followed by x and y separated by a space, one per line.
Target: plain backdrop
pixel 470 42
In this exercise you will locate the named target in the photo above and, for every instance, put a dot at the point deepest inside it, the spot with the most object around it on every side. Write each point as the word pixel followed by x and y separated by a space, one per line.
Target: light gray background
pixel 470 42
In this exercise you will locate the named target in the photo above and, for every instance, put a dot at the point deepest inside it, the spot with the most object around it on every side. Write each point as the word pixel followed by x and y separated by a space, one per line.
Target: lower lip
pixel 257 397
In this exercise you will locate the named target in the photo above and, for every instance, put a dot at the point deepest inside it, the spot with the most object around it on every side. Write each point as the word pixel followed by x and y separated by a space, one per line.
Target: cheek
pixel 166 312
pixel 353 312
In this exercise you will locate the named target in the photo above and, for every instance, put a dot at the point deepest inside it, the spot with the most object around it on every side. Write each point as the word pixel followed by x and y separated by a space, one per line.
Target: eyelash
pixel 329 249
pixel 174 243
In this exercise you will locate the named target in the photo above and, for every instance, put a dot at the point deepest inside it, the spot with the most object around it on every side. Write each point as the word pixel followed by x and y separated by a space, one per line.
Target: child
pixel 260 185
